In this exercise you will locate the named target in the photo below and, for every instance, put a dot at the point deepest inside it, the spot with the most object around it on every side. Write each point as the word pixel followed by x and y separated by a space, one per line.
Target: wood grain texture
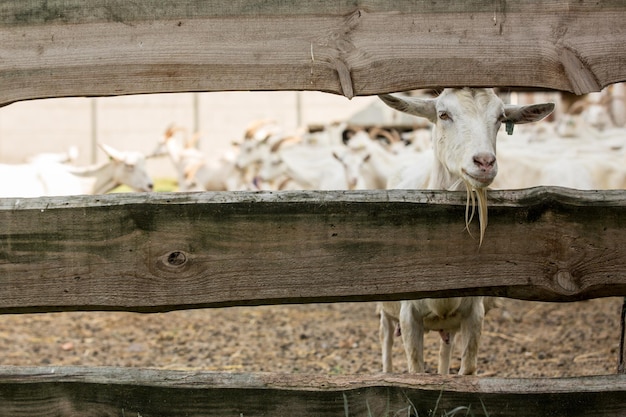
pixel 69 48
pixel 79 391
pixel 159 252
pixel 621 362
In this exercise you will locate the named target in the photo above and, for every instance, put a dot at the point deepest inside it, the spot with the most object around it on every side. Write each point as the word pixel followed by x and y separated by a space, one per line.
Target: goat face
pixel 466 125
pixel 464 136
pixel 251 152
pixel 129 168
pixel 352 163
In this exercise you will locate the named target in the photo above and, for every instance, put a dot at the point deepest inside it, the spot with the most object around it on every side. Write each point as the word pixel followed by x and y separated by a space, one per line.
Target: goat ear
pixel 421 107
pixel 111 152
pixel 527 114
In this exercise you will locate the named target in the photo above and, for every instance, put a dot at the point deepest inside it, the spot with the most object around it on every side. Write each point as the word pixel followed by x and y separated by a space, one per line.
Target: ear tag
pixel 509 127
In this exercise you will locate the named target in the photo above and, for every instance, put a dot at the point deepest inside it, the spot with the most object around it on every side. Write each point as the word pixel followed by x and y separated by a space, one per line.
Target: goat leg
pixel 412 326
pixel 471 330
pixel 386 334
pixel 445 352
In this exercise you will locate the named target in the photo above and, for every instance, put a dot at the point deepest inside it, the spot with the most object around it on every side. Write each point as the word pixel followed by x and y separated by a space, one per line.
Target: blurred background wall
pixel 138 122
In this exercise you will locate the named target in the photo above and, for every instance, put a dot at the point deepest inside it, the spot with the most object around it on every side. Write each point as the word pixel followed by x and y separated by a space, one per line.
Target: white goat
pixel 314 167
pixel 544 158
pixel 352 163
pixel 53 178
pixel 259 138
pixel 593 113
pixel 381 163
pixel 466 122
pixel 194 170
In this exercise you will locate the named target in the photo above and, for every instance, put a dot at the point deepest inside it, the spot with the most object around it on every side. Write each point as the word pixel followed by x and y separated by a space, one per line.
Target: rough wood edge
pixel 70 391
pixel 271 380
pixel 496 198
pixel 348 61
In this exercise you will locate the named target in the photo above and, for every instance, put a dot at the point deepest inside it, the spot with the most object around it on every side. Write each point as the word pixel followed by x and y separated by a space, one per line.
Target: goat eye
pixel 444 116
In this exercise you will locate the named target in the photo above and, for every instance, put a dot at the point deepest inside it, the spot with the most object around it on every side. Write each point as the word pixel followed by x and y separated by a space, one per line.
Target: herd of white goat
pixel 583 148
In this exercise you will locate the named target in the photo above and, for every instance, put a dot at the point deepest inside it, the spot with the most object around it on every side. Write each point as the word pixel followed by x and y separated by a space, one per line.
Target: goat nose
pixel 485 161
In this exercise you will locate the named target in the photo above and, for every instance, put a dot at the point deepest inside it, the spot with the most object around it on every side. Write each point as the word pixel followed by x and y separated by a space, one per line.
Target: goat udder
pixel 398 331
pixel 445 336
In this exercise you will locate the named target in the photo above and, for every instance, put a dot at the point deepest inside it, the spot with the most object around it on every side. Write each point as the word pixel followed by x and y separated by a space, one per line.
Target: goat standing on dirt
pixel 466 122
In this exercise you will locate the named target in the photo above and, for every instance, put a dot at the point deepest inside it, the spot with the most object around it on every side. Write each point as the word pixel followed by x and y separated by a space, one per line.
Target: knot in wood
pixel 176 258
pixel 565 280
pixel 174 262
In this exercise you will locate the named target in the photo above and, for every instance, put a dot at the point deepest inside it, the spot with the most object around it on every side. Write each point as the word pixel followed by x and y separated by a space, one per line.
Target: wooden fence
pixel 66 48
pixel 160 252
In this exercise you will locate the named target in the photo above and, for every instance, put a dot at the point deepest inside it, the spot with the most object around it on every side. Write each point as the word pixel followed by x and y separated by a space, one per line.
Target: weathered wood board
pixel 85 392
pixel 155 252
pixel 164 251
pixel 62 48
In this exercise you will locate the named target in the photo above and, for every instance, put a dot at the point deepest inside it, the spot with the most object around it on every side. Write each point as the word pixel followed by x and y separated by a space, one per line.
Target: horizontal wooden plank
pixel 80 391
pixel 165 251
pixel 69 48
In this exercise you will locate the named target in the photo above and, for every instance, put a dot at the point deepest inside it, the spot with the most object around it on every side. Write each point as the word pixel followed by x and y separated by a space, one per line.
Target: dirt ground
pixel 521 339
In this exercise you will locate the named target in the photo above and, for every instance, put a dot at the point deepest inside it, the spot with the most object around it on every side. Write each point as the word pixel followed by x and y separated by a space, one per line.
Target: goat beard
pixel 474 194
